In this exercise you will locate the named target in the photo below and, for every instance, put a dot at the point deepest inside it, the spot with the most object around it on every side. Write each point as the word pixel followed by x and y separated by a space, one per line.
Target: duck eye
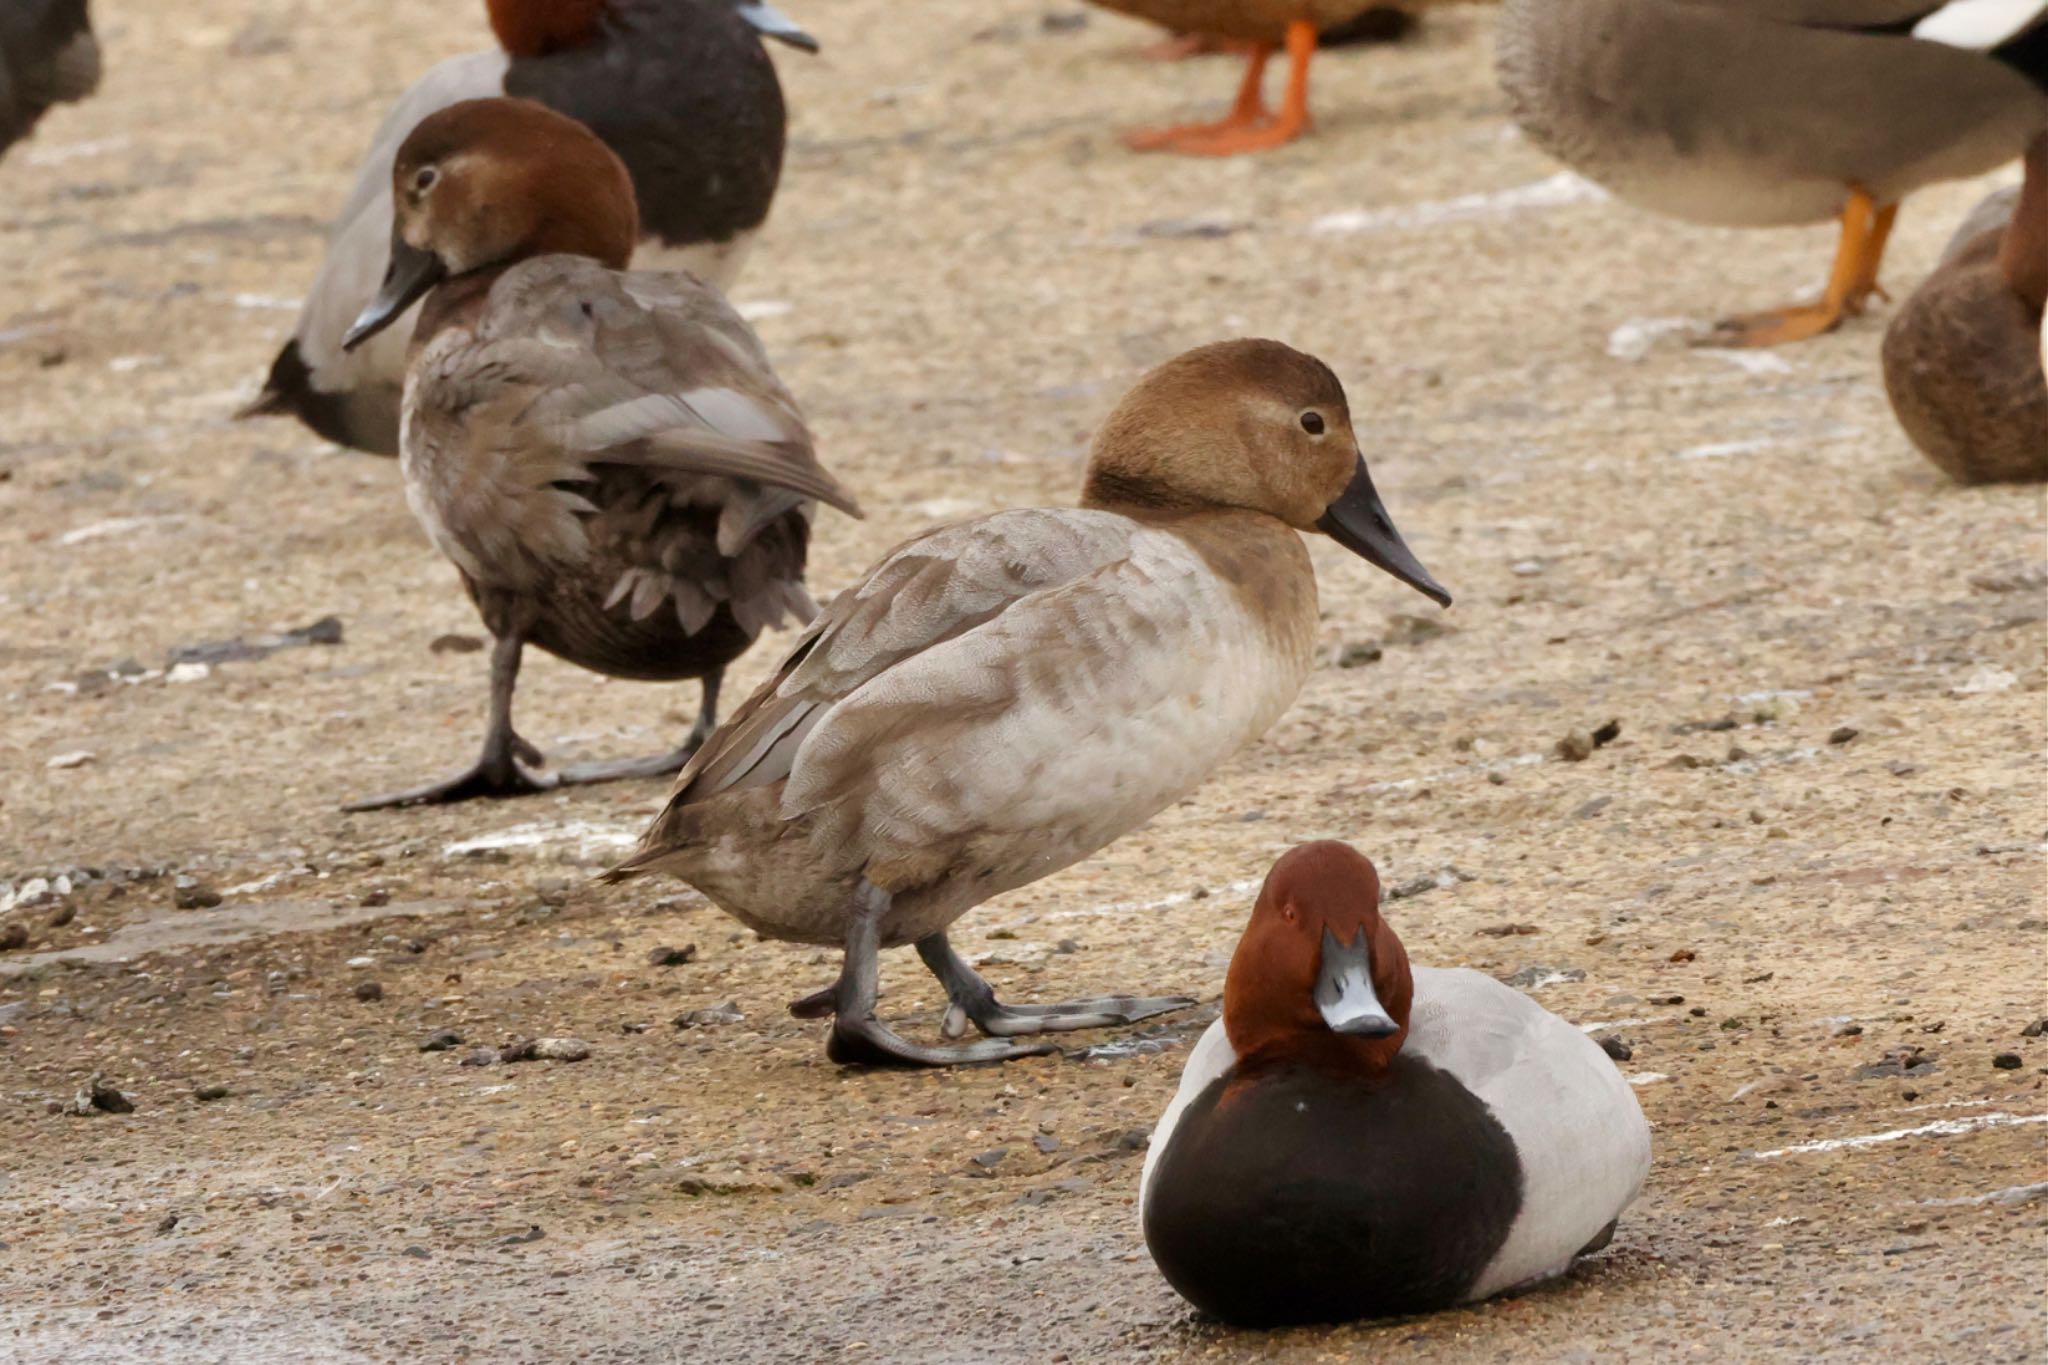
pixel 424 180
pixel 1312 423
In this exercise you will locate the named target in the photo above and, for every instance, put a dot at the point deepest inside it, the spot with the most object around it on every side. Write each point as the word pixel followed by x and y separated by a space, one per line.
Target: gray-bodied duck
pixel 680 89
pixel 1963 361
pixel 1767 113
pixel 605 455
pixel 1000 698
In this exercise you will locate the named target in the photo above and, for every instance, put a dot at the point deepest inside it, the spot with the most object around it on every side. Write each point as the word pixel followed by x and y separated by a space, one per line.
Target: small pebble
pixel 12 937
pixel 62 916
pixel 369 990
pixel 455 644
pixel 1358 653
pixel 989 1160
pixel 2008 1061
pixel 189 893
pixel 442 1040
pixel 1616 1046
pixel 672 957
pixel 375 898
pixel 728 1013
pixel 1842 734
pixel 546 1050
pixel 207 1094
pixel 1684 955
pixel 2035 1029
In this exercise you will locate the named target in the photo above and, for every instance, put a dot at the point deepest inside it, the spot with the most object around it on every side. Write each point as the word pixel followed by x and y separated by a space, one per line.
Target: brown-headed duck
pixel 48 55
pixel 1263 27
pixel 605 456
pixel 1356 1137
pixel 1741 114
pixel 999 698
pixel 680 89
pixel 1963 358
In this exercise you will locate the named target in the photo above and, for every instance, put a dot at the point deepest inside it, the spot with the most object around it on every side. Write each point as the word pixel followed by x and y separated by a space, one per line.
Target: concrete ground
pixel 1804 883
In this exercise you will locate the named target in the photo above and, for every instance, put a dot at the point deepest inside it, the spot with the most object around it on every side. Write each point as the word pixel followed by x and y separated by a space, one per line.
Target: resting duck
pixel 1743 114
pixel 48 55
pixel 999 698
pixel 1264 26
pixel 680 89
pixel 1358 1138
pixel 1963 359
pixel 606 457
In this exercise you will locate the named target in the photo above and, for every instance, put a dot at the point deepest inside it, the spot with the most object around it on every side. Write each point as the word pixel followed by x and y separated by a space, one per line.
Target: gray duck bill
pixel 410 275
pixel 1358 521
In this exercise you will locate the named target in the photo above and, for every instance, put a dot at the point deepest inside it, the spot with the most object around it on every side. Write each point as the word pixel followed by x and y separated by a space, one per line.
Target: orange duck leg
pixel 1248 127
pixel 1858 253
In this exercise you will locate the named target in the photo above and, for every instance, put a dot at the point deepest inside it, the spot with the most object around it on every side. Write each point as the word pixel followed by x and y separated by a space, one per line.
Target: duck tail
pixel 671 844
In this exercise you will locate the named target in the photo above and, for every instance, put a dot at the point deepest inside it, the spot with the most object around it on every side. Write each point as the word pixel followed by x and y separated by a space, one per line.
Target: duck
pixel 48 55
pixel 1963 363
pixel 1001 697
pixel 1360 1137
pixel 1736 114
pixel 1262 27
pixel 605 455
pixel 680 89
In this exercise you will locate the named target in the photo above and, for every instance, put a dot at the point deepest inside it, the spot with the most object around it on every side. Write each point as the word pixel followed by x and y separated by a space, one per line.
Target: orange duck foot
pixel 1248 127
pixel 1858 253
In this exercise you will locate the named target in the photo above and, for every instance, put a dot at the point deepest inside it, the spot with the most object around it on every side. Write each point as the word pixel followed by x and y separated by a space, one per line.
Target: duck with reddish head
pixel 604 454
pixel 1357 1137
pixel 681 90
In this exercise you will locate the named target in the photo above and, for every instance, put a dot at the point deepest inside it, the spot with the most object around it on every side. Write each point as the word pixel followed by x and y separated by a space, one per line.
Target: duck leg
pixel 860 1038
pixel 1859 250
pixel 1248 127
pixel 974 999
pixel 504 766
pixel 655 765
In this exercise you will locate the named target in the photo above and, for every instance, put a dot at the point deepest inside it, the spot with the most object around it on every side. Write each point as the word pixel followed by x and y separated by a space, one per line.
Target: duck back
pixel 1291 1194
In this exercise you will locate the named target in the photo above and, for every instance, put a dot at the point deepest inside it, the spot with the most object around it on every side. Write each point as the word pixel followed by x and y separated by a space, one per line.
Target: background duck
pixel 680 89
pixel 1000 698
pixel 1265 26
pixel 1963 358
pixel 1356 1137
pixel 606 457
pixel 1742 114
pixel 48 55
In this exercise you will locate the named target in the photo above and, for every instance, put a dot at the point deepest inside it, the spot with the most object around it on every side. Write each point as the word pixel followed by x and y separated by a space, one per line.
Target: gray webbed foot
pixel 484 778
pixel 868 1042
pixel 974 1001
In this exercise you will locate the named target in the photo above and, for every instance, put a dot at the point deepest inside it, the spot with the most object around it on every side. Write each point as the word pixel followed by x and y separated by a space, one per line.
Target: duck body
pixel 1962 357
pixel 1251 21
pixel 998 699
pixel 1744 114
pixel 48 55
pixel 681 90
pixel 531 470
pixel 1500 1144
pixel 1074 671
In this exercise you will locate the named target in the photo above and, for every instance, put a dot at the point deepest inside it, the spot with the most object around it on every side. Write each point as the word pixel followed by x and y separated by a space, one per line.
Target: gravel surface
pixel 1800 886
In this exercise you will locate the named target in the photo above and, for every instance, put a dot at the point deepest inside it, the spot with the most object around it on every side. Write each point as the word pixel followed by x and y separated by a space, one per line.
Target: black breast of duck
pixel 48 55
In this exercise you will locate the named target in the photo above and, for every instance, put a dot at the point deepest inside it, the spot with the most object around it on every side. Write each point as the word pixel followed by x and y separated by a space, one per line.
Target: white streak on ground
pixel 1554 192
pixel 1939 1128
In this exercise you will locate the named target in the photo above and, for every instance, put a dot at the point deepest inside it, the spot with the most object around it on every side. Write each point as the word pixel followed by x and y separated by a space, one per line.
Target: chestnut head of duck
pixel 1318 971
pixel 1255 425
pixel 487 183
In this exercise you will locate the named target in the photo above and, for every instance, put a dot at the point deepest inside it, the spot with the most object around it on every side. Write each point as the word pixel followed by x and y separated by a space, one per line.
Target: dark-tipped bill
pixel 410 275
pixel 1358 521
pixel 1344 992
pixel 773 23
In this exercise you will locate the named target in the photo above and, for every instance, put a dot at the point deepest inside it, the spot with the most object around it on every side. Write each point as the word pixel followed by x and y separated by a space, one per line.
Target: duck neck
pixel 535 28
pixel 2023 251
pixel 455 302
pixel 1366 1059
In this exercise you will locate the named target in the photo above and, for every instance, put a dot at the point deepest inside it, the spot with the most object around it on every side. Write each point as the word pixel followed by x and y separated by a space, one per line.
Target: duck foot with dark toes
pixel 869 1042
pixel 495 774
pixel 654 765
pixel 973 1000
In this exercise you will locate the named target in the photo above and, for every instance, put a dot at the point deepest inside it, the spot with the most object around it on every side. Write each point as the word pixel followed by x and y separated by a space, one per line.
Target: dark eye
pixel 424 180
pixel 1312 423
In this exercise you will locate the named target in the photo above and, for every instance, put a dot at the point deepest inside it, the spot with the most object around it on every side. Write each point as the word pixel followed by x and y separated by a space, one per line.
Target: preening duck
pixel 1357 1137
pixel 605 455
pixel 999 698
pixel 1963 359
pixel 680 89
pixel 1765 113
pixel 48 55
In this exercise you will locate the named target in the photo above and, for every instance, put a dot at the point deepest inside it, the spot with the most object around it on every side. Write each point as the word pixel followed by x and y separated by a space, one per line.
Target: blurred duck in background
pixel 1261 27
pixel 605 456
pixel 48 55
pixel 681 90
pixel 1766 113
pixel 1963 358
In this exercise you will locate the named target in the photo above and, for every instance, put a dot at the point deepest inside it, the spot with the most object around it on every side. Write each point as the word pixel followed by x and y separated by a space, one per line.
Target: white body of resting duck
pixel 605 455
pixel 1762 113
pixel 1356 1137
pixel 1000 698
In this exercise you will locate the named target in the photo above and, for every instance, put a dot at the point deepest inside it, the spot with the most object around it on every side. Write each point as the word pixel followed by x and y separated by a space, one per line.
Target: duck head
pixel 1317 966
pixel 486 183
pixel 535 28
pixel 1256 425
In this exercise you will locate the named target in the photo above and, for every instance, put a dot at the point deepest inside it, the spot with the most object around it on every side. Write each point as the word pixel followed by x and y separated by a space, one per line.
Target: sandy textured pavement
pixel 1805 883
